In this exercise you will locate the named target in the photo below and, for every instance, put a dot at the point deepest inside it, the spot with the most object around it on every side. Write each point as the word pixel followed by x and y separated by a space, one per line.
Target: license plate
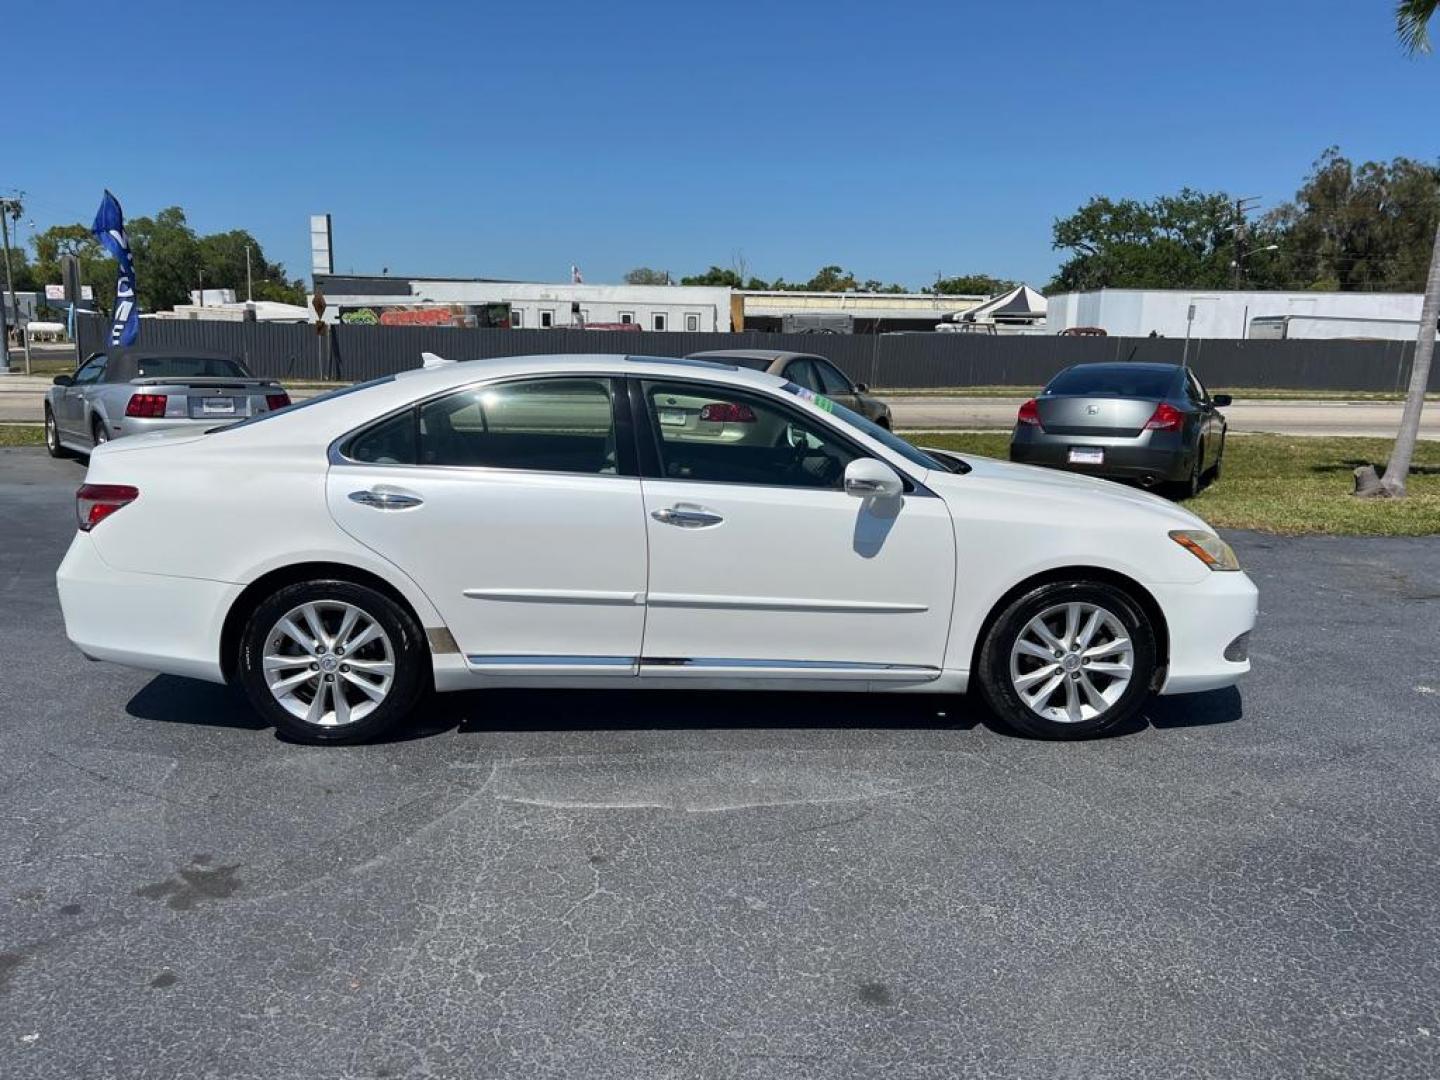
pixel 213 406
pixel 1086 455
pixel 672 417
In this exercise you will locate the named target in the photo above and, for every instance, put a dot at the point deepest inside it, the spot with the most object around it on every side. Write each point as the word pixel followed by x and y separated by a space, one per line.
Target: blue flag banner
pixel 109 229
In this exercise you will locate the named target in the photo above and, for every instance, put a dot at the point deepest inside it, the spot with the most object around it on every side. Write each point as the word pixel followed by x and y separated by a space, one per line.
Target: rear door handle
pixel 687 517
pixel 382 499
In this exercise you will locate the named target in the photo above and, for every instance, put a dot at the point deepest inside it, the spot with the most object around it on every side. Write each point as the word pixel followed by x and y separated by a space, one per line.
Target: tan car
pixel 807 370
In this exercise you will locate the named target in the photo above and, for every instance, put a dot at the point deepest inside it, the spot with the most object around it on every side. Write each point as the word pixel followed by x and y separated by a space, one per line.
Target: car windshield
pixel 1113 380
pixel 318 399
pixel 881 435
pixel 189 367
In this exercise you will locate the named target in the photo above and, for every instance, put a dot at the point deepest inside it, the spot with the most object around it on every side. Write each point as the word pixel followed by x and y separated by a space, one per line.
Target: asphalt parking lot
pixel 722 885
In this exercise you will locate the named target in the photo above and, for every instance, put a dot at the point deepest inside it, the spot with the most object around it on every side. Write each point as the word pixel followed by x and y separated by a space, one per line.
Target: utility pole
pixel 1242 207
pixel 249 284
pixel 7 206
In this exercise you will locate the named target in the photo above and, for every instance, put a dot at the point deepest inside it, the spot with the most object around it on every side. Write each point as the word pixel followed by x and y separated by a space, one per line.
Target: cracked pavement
pixel 728 885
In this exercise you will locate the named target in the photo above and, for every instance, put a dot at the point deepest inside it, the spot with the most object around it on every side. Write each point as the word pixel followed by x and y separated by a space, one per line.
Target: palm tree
pixel 1412 20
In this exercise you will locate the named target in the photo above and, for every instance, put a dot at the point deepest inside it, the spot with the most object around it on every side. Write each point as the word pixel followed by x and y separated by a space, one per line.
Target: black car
pixel 1151 423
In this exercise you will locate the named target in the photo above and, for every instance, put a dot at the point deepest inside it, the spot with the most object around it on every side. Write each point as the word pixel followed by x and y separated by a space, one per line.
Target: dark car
pixel 807 370
pixel 1151 423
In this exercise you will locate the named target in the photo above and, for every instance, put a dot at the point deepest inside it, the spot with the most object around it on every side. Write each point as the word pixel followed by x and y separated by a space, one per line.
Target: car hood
pixel 1032 483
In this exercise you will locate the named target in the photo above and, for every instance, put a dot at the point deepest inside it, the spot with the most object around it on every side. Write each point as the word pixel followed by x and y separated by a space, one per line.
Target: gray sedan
pixel 807 370
pixel 1151 423
pixel 129 391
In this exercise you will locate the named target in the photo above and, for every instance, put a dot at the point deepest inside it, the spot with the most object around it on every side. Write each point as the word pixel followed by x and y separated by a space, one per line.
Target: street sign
pixel 318 303
pixel 54 292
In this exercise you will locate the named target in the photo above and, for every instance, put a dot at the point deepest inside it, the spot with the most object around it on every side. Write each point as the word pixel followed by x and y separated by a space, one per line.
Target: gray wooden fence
pixel 901 361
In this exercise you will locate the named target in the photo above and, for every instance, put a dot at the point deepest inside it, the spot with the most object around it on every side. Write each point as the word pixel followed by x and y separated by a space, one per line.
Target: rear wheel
pixel 52 436
pixel 1219 460
pixel 1068 660
pixel 332 661
pixel 1191 485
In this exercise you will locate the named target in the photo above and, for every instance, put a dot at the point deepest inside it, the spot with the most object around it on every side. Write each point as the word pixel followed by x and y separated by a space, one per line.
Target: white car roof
pixel 330 417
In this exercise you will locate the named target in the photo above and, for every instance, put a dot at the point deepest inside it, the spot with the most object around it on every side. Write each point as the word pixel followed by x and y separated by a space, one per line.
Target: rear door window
pixel 544 425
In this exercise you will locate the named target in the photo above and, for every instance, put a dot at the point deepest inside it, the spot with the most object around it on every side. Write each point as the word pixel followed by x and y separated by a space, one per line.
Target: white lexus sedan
pixel 612 521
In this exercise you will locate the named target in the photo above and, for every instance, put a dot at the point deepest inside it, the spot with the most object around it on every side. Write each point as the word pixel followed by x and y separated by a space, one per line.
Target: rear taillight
pixel 1165 418
pixel 95 502
pixel 146 406
pixel 276 401
pixel 1029 413
pixel 727 412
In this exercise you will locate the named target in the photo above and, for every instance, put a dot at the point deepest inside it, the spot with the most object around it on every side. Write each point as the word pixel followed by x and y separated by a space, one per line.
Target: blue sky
pixel 475 139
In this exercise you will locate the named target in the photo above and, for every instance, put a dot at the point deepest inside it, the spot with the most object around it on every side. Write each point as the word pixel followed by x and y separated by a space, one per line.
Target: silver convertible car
pixel 130 391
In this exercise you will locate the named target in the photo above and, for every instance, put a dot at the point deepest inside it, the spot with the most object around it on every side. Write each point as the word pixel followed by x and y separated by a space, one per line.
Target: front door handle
pixel 687 517
pixel 382 499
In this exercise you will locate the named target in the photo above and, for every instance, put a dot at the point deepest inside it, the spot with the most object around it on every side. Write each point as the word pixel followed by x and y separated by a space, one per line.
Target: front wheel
pixel 332 661
pixel 1068 660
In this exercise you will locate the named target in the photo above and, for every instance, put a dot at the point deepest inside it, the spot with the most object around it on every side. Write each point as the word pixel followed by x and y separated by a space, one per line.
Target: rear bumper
pixel 1204 621
pixel 1150 456
pixel 150 621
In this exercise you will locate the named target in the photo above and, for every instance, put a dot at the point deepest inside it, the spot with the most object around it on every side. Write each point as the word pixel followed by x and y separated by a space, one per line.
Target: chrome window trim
pixel 335 458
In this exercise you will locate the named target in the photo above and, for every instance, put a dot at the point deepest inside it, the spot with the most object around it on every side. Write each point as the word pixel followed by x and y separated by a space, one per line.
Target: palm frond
pixel 1412 18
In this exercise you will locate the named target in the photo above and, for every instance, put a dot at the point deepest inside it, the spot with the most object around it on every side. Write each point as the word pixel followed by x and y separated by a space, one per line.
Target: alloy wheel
pixel 328 663
pixel 52 437
pixel 1072 662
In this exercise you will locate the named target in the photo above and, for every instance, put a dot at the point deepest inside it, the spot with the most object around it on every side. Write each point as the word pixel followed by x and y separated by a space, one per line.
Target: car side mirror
pixel 64 380
pixel 865 477
pixel 1221 400
pixel 862 388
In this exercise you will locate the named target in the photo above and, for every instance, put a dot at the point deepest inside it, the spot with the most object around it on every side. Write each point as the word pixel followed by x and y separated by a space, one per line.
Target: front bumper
pixel 1205 620
pixel 150 621
pixel 1151 456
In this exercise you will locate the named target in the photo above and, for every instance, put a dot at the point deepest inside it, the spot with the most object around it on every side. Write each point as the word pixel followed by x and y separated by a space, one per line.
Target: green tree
pixel 1183 241
pixel 716 275
pixel 97 269
pixel 972 285
pixel 1359 227
pixel 167 259
pixel 644 275
pixel 1412 21
pixel 222 257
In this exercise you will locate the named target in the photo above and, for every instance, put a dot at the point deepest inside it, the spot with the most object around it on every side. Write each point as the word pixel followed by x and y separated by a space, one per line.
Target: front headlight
pixel 1207 547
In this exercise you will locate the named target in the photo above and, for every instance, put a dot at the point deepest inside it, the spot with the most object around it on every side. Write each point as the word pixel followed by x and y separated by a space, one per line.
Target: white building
pixel 531 305
pixel 1239 314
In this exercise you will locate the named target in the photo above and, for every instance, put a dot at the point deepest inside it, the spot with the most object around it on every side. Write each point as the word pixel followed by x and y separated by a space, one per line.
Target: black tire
pixel 995 659
pixel 52 436
pixel 411 659
pixel 1191 485
pixel 1219 460
pixel 99 433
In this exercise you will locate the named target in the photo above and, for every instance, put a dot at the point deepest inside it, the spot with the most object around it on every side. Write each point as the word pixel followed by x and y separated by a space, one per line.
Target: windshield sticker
pixel 823 402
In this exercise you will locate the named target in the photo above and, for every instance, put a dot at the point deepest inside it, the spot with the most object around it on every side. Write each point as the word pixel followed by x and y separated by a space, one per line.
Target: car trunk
pixel 210 398
pixel 1080 415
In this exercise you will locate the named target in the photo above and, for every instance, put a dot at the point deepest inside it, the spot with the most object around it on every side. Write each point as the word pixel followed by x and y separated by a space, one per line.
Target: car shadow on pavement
pixel 170 699
pixel 173 700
